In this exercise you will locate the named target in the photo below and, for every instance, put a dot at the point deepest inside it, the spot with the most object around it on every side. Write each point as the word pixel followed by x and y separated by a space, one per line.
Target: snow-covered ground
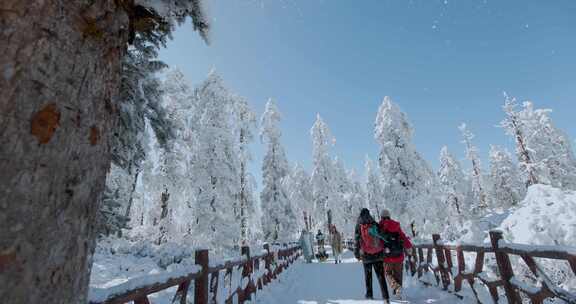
pixel 119 263
pixel 547 216
pixel 328 283
pixel 316 283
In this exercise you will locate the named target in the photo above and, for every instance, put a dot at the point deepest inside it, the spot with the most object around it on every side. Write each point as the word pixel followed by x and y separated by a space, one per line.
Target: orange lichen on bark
pixel 7 258
pixel 44 123
pixel 94 135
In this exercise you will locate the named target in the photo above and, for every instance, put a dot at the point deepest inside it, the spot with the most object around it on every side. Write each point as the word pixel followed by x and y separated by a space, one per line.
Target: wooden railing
pixel 446 273
pixel 254 273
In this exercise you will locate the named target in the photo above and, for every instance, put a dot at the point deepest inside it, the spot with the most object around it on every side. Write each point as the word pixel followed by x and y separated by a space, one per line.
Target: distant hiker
pixel 321 240
pixel 306 245
pixel 370 250
pixel 396 242
pixel 336 243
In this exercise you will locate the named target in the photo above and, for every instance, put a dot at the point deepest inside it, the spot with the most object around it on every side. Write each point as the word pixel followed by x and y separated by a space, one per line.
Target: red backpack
pixel 369 244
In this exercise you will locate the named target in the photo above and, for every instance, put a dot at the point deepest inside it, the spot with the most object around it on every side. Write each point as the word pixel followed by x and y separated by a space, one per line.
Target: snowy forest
pixel 187 182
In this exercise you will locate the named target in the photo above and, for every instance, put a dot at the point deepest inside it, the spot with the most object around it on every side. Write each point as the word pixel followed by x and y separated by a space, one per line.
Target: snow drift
pixel 547 216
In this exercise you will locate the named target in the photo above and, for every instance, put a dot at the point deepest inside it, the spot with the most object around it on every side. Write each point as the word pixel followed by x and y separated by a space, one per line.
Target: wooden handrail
pixel 125 295
pixel 205 279
pixel 444 269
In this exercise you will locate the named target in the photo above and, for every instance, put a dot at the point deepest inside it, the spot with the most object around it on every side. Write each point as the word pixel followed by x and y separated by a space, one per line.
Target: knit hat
pixel 385 213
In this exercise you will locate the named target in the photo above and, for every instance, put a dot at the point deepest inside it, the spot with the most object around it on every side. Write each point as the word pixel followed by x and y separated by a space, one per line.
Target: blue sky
pixel 443 62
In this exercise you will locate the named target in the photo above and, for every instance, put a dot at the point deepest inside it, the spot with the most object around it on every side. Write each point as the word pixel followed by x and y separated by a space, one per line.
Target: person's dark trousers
pixel 379 270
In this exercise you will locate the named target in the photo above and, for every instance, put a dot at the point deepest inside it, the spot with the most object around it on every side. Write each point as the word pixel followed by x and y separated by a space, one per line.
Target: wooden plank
pixel 142 300
pixel 214 280
pixel 441 261
pixel 201 284
pixel 479 263
pixel 448 255
pixel 469 247
pixel 546 252
pixel 206 287
pixel 182 293
pixel 134 294
pixel 505 269
pixel 572 261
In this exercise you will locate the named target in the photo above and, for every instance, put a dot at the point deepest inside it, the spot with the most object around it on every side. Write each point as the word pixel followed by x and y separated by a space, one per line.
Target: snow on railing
pixel 150 283
pixel 446 273
pixel 241 277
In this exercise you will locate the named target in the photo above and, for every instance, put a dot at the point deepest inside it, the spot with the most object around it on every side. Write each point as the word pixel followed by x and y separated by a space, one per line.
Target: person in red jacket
pixel 397 242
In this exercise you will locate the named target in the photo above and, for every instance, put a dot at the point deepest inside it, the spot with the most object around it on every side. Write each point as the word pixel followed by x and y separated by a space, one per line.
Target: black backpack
pixel 394 243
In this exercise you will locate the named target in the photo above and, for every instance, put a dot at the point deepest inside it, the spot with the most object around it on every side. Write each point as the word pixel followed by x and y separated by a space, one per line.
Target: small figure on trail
pixel 320 239
pixel 396 242
pixel 306 244
pixel 370 250
pixel 336 243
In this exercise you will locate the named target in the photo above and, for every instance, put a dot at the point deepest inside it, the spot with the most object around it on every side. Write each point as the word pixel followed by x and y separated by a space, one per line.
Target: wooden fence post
pixel 441 261
pixel 267 264
pixel 572 261
pixel 201 284
pixel 420 261
pixel 245 251
pixel 142 300
pixel 247 269
pixel 461 269
pixel 504 268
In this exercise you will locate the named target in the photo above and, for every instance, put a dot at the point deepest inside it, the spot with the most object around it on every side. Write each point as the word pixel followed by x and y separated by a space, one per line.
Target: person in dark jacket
pixel 321 240
pixel 371 252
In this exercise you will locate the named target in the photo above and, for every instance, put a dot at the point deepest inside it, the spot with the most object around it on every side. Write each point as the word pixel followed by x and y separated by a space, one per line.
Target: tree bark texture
pixel 59 77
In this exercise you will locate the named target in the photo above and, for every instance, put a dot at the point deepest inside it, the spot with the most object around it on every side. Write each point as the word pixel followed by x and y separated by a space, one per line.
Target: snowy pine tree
pixel 479 202
pixel 355 201
pixel 279 219
pixel 409 182
pixel 343 213
pixel 544 152
pixel 454 189
pixel 322 140
pixel 454 185
pixel 140 101
pixel 374 191
pixel 217 177
pixel 507 188
pixel 300 194
pixel 514 127
pixel 111 220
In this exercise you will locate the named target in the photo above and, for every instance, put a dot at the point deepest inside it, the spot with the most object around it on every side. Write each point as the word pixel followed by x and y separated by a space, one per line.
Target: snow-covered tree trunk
pixel 59 76
pixel 245 121
pixel 479 194
pixel 514 127
pixel 243 204
pixel 132 190
pixel 164 220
